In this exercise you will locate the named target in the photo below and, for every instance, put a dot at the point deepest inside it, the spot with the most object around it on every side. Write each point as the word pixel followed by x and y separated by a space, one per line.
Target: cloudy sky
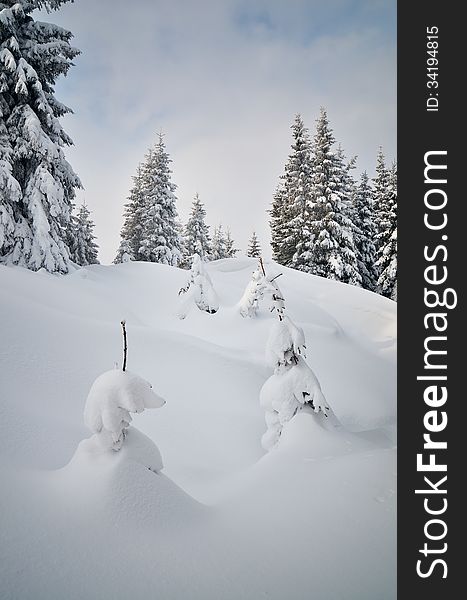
pixel 223 80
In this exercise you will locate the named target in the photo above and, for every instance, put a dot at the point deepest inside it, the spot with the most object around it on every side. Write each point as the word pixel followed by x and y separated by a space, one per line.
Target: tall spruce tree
pixel 197 239
pixel 328 250
pixel 160 240
pixel 230 250
pixel 37 184
pixel 292 201
pixel 348 193
pixel 82 245
pixel 132 230
pixel 278 226
pixel 364 233
pixel 218 245
pixel 348 186
pixel 124 253
pixel 254 248
pixel 183 264
pixel 380 199
pixel 387 250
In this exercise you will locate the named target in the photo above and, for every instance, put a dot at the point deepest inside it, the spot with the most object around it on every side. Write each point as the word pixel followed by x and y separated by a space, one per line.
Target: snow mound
pixel 312 436
pixel 127 486
pixel 124 488
pixel 113 396
pixel 138 449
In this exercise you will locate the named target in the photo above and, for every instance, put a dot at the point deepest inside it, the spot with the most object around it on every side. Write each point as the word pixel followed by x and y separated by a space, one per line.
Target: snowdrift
pixel 222 519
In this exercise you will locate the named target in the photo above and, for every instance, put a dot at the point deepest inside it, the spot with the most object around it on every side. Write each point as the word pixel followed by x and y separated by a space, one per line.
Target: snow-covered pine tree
pixel 124 253
pixel 278 227
pixel 254 293
pixel 349 185
pixel 364 233
pixel 230 250
pixel 197 239
pixel 380 199
pixel 82 245
pixel 300 200
pixel 348 194
pixel 293 201
pixel 160 240
pixel 184 263
pixel 198 291
pixel 293 385
pixel 132 230
pixel 10 196
pixel 254 248
pixel 329 249
pixel 386 263
pixel 218 244
pixel 37 184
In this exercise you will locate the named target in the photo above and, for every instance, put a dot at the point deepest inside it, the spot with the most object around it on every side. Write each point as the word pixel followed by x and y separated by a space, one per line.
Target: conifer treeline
pixel 325 223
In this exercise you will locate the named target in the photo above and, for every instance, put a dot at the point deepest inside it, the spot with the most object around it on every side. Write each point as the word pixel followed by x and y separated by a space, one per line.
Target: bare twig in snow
pixel 125 346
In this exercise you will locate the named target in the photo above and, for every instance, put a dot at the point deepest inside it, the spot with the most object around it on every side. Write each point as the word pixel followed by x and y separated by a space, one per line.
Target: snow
pixel 223 519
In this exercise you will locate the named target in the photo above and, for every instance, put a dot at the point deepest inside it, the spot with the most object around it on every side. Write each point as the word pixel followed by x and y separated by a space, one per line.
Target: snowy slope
pixel 314 518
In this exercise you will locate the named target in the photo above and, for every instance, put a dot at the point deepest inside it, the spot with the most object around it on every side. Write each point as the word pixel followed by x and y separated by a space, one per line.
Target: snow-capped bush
pixel 261 286
pixel 112 397
pixel 293 385
pixel 199 291
pixel 254 292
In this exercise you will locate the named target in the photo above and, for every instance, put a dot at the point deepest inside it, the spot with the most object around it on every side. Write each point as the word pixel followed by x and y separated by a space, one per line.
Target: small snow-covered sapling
pixel 112 397
pixel 253 294
pixel 260 286
pixel 293 384
pixel 198 291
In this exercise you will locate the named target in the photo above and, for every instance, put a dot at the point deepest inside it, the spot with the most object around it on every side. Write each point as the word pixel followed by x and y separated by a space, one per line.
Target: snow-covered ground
pixel 312 519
